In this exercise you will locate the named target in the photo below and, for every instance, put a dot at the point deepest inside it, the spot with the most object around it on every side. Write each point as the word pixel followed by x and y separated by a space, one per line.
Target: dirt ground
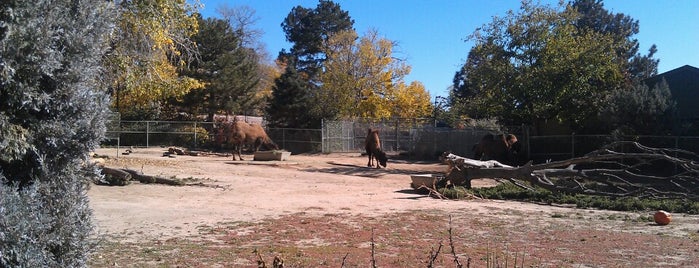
pixel 330 210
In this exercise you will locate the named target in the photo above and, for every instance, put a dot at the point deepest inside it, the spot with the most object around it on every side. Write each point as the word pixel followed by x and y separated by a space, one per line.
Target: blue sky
pixel 431 33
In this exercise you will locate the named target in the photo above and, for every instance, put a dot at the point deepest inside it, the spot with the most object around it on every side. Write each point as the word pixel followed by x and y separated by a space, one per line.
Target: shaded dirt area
pixel 325 211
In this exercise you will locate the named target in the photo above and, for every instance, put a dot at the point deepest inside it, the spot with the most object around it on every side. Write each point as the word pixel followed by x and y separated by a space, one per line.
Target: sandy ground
pixel 334 190
pixel 255 190
pixel 229 191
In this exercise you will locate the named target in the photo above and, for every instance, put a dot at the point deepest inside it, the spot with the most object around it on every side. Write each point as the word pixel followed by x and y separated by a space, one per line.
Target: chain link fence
pixel 418 138
pixel 560 147
pixel 199 135
pixel 413 138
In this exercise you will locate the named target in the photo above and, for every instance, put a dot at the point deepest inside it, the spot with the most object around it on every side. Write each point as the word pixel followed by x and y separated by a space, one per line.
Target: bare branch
pixel 619 169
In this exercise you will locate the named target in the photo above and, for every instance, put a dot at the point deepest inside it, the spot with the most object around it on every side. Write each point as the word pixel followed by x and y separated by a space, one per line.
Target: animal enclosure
pixel 416 138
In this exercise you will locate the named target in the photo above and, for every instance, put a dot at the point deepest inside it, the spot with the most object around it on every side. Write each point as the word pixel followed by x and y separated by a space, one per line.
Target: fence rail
pixel 420 139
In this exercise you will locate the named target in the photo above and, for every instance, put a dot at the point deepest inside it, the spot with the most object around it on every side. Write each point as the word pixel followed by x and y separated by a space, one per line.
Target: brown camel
pixel 241 133
pixel 502 148
pixel 372 144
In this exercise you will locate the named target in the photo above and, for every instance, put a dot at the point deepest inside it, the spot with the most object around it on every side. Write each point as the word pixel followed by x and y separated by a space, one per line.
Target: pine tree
pixel 52 114
pixel 228 69
pixel 288 107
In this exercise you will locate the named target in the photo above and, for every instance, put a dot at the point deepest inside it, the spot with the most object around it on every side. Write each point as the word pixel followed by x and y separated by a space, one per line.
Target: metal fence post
pixel 284 138
pixel 572 145
pixel 195 134
pixel 397 136
pixel 322 135
pixel 147 133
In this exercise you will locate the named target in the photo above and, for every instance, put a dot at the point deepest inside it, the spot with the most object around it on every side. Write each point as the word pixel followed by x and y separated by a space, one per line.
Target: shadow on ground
pixel 362 171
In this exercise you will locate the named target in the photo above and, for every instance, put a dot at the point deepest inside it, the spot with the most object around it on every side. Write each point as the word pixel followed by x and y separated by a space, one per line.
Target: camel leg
pixel 238 150
pixel 374 153
pixel 258 143
pixel 370 163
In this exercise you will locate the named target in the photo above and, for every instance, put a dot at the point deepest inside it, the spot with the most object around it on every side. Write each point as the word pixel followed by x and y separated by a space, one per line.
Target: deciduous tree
pixel 362 78
pixel 152 40
pixel 536 65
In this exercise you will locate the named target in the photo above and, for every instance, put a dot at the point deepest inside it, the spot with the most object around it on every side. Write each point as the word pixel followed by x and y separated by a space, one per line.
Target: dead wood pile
pixel 618 169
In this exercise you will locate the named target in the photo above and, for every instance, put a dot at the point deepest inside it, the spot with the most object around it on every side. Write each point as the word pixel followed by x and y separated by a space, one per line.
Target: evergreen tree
pixel 288 106
pixel 308 30
pixel 52 114
pixel 594 17
pixel 228 69
pixel 641 110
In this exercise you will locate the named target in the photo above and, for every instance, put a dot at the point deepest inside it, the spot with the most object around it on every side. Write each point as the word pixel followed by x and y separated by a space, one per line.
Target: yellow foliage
pixel 363 79
pixel 412 101
pixel 146 55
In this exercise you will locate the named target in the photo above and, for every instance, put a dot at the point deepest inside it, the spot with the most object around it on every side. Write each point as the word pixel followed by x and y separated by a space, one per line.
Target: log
pixel 136 175
pixel 114 177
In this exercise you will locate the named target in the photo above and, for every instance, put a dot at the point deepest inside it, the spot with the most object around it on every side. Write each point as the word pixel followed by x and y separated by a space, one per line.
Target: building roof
pixel 684 87
pixel 687 70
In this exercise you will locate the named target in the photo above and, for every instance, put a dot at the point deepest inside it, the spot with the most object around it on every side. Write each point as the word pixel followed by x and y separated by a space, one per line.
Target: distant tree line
pixel 169 63
pixel 576 64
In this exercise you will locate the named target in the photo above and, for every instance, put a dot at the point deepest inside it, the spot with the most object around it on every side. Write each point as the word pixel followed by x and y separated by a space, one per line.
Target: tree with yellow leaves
pixel 151 41
pixel 411 101
pixel 363 79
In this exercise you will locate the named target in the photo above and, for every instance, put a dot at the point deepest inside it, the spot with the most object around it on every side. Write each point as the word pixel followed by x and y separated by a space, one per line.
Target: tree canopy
pixel 545 63
pixel 308 30
pixel 364 79
pixel 346 76
pixel 151 41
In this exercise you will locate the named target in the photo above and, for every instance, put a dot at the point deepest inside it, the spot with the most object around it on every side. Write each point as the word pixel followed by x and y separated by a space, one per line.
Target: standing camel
pixel 372 144
pixel 241 133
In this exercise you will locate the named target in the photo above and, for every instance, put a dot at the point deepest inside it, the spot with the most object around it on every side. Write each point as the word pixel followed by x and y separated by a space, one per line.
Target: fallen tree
pixel 123 176
pixel 619 169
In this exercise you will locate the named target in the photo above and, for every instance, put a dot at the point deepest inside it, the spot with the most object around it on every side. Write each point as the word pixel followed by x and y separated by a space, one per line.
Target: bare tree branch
pixel 618 169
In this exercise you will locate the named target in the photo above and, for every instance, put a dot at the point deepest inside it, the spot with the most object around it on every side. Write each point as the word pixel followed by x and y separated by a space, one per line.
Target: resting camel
pixel 502 148
pixel 372 144
pixel 241 133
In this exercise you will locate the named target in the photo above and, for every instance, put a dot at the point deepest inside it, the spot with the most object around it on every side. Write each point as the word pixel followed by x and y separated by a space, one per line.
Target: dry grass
pixel 407 240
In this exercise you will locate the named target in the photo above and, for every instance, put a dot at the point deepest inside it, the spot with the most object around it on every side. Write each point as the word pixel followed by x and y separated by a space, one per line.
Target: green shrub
pixel 456 192
pixel 509 191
